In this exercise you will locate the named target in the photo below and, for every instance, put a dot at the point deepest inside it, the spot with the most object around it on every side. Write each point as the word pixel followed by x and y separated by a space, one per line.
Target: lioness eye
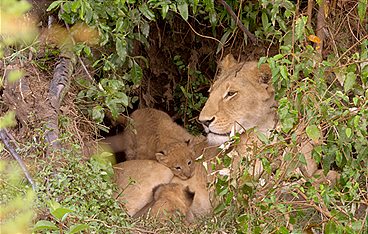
pixel 231 94
pixel 189 163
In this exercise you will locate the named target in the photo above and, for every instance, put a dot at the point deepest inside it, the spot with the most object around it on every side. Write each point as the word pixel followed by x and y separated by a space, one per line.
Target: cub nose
pixel 207 122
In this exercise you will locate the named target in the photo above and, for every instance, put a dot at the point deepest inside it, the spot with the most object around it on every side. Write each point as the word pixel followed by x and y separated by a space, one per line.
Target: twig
pixel 238 22
pixel 79 58
pixel 348 50
pixel 321 24
pixel 5 136
pixel 208 37
pixel 309 12
pixel 324 211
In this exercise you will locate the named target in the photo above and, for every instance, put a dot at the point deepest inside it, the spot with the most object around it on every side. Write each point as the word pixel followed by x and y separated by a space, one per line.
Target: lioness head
pixel 179 158
pixel 240 98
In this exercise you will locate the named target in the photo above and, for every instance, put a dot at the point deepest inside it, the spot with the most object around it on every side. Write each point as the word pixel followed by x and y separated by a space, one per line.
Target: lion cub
pixel 169 200
pixel 154 136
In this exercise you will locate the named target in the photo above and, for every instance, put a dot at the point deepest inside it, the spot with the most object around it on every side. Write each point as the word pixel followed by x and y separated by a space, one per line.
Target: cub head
pixel 179 158
pixel 242 97
pixel 170 200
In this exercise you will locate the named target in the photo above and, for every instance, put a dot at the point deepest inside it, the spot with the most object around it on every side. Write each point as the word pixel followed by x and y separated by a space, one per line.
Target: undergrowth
pixel 323 94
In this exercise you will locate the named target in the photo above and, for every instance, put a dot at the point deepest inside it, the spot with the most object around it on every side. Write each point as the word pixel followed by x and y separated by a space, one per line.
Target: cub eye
pixel 230 94
pixel 190 162
pixel 178 168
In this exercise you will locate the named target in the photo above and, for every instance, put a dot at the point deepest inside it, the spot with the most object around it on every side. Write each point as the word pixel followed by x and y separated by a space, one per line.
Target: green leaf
pixel 313 132
pixel 15 75
pixel 262 137
pixel 61 212
pixel 164 10
pixel 87 50
pixel 284 72
pixel 348 132
pixel 146 12
pixel 98 114
pixel 301 159
pixel 362 9
pixel 183 9
pixel 349 81
pixel 288 156
pixel 299 28
pixel 44 225
pixel 264 21
pixel 77 228
pixel 330 228
pixel 136 73
pixel 213 18
pixel 223 40
pixel 121 49
pixel 54 5
pixel 194 6
pixel 145 29
pixel 123 99
pixel 8 120
pixel 282 230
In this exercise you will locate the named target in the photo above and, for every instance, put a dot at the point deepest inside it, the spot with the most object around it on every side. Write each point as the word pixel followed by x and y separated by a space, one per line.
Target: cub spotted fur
pixel 154 136
pixel 136 179
pixel 169 201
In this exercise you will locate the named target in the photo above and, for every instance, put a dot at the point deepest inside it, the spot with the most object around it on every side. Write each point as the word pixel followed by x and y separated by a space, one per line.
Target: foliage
pixel 123 25
pixel 79 195
pixel 324 95
pixel 190 97
pixel 60 214
pixel 17 198
pixel 328 99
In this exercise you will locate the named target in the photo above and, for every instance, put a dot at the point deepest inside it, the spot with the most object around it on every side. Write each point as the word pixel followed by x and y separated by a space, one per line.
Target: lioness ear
pixel 162 157
pixel 227 62
pixel 265 74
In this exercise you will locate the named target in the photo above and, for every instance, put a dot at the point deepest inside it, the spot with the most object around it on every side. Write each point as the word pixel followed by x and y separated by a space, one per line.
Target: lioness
pixel 241 98
pixel 155 136
pixel 169 201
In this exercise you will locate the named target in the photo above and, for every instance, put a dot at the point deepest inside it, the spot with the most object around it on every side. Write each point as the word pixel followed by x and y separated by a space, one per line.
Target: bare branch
pixel 6 139
pixel 238 22
pixel 321 24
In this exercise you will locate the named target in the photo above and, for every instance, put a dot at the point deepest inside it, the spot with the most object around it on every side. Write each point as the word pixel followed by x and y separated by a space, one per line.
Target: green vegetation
pixel 326 94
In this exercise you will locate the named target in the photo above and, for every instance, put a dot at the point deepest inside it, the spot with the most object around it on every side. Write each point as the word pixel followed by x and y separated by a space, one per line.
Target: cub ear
pixel 265 74
pixel 190 142
pixel 227 62
pixel 162 157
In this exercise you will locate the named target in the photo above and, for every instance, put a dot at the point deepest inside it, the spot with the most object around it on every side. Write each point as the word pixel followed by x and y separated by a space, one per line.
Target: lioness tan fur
pixel 169 201
pixel 242 98
pixel 136 179
pixel 154 136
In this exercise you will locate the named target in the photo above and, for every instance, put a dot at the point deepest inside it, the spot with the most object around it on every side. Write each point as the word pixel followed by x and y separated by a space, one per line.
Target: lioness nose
pixel 207 122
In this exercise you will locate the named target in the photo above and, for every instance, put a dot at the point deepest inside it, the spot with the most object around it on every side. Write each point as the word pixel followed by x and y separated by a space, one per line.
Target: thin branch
pixel 238 22
pixel 5 137
pixel 321 24
pixel 310 12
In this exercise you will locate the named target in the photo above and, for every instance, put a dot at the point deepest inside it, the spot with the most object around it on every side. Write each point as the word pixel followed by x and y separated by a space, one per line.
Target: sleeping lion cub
pixel 153 135
pixel 169 201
